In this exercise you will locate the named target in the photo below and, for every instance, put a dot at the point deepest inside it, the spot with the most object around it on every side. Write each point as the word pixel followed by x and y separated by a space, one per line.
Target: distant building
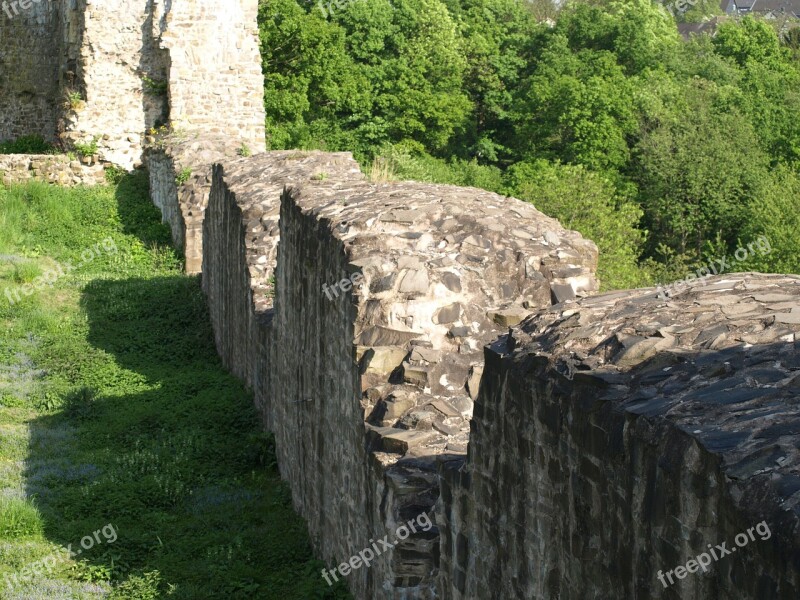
pixel 709 27
pixel 765 8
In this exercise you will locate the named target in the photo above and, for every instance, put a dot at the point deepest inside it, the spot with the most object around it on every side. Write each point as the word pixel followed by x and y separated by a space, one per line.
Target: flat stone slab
pixel 402 441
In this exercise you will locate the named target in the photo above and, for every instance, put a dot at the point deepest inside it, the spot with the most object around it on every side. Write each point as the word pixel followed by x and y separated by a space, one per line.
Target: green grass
pixel 29 144
pixel 115 410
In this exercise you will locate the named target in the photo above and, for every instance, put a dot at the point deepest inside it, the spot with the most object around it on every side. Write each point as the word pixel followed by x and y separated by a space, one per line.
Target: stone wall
pixel 587 453
pixel 153 62
pixel 216 109
pixel 617 437
pixel 78 70
pixel 116 50
pixel 57 169
pixel 30 59
pixel 240 281
pixel 606 441
pixel 215 80
pixel 180 182
pixel 369 392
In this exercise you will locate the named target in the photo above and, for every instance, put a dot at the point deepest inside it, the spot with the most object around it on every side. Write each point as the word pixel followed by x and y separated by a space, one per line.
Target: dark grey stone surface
pixel 620 435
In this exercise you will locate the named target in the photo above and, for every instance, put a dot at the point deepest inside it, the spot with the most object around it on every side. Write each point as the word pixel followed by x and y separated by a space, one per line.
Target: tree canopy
pixel 666 152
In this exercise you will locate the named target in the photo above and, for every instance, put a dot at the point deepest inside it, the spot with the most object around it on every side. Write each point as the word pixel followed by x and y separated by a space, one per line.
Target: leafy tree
pixel 576 107
pixel 638 32
pixel 748 39
pixel 588 203
pixel 697 173
pixel 697 58
pixel 375 72
pixel 643 34
pixel 421 96
pixel 308 75
pixel 497 35
pixel 606 104
pixel 776 217
pixel 771 99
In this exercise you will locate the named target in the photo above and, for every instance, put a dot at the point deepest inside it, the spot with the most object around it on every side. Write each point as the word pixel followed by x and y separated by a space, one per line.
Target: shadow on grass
pixel 158 441
pixel 141 219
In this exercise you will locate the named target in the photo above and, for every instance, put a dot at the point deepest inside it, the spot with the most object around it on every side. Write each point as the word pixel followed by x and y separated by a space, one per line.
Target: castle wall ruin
pixel 594 446
pixel 621 435
pixel 425 349
pixel 370 392
pixel 82 71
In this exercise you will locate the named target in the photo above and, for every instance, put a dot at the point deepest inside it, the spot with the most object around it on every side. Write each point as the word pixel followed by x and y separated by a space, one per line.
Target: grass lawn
pixel 132 466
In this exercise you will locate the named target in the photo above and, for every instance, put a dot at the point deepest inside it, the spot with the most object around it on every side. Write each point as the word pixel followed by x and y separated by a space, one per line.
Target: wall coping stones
pixel 720 362
pixel 425 251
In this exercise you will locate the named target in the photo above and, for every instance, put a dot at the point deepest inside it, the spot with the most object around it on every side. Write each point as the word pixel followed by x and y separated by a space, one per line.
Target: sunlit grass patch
pixel 19 519
pixel 131 420
pixel 13 441
pixel 26 272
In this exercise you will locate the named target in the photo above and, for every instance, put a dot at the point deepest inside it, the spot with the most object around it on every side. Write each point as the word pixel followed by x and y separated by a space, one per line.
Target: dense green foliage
pixel 663 151
pixel 114 409
pixel 28 144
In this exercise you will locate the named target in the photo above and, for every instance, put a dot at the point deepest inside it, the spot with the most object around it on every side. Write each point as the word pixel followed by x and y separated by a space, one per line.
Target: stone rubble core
pixel 620 435
pixel 78 70
pixel 58 169
pixel 370 392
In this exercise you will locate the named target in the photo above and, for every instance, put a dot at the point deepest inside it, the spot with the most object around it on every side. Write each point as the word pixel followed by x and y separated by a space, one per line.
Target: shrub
pixel 406 161
pixel 183 176
pixel 114 175
pixel 87 148
pixel 139 587
pixel 73 100
pixel 28 144
pixel 154 86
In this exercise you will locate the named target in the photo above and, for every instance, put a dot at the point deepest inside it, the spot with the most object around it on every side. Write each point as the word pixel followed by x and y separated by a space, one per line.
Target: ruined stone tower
pixel 110 70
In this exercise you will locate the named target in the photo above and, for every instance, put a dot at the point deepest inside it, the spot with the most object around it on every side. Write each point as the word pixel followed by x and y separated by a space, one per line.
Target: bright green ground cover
pixel 115 410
